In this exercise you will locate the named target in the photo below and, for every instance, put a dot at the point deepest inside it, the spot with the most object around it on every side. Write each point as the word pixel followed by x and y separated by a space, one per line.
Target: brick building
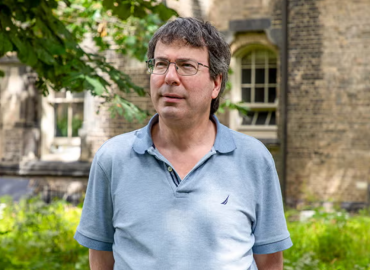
pixel 301 66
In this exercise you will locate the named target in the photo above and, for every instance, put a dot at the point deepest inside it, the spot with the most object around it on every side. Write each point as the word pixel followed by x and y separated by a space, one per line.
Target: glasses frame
pixel 150 70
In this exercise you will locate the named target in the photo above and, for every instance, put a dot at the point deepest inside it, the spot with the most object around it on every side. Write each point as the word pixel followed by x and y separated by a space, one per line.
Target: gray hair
pixel 197 33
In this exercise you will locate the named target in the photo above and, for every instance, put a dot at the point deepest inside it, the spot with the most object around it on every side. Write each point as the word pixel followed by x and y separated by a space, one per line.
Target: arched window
pixel 255 82
pixel 258 87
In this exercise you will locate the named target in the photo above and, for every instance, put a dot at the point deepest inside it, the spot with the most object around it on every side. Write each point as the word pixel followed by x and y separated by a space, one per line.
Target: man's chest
pixel 211 197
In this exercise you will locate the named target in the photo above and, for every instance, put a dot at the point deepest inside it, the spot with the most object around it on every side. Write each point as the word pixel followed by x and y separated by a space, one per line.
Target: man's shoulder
pixel 250 151
pixel 119 144
pixel 247 143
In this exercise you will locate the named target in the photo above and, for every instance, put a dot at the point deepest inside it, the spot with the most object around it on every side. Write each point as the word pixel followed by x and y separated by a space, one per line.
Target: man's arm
pixel 273 261
pixel 101 260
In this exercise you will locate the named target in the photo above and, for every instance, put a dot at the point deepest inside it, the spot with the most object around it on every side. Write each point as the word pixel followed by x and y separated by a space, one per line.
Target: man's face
pixel 177 97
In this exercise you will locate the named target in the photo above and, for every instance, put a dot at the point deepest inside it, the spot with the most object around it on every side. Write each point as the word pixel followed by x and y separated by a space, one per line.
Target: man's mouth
pixel 172 96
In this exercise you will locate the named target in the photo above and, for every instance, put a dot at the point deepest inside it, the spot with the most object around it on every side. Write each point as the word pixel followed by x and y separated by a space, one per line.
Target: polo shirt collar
pixel 224 142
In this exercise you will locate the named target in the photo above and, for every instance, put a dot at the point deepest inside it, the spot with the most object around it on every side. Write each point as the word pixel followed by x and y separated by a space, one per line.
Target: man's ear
pixel 216 86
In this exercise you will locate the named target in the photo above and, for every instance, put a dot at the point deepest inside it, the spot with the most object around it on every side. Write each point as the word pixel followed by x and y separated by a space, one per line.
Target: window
pixel 258 88
pixel 62 119
pixel 255 83
pixel 68 113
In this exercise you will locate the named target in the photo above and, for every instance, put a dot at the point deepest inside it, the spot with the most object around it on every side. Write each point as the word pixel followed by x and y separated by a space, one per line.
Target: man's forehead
pixel 180 44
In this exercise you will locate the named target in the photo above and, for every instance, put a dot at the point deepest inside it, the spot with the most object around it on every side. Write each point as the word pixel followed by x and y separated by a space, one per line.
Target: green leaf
pixel 97 86
pixel 54 47
pixel 44 55
pixel 109 4
pixel 139 12
pixel 164 12
pixel 239 106
pixel 20 46
pixel 32 57
pixel 124 107
pixel 2 73
pixel 5 44
pixel 122 9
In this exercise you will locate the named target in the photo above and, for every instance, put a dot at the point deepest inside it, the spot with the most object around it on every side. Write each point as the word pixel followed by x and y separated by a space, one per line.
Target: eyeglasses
pixel 184 67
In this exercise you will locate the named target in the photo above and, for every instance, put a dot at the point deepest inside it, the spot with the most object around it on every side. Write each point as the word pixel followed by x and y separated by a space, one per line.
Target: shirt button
pixel 169 169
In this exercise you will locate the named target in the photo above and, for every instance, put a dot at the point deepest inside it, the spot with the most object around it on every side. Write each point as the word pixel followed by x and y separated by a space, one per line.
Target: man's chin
pixel 171 114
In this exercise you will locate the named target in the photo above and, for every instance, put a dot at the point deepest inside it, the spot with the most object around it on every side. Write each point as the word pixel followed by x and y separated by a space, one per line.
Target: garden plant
pixel 36 235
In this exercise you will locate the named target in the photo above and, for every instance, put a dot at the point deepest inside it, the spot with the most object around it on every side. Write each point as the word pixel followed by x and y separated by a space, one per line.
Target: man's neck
pixel 183 145
pixel 183 137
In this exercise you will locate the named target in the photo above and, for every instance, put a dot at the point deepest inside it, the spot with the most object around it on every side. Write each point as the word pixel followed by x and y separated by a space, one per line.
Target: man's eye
pixel 187 65
pixel 160 64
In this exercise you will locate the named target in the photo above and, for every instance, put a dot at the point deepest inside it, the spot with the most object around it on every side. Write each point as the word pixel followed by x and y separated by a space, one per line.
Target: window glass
pixel 273 119
pixel 272 94
pixel 260 75
pixel 258 87
pixel 77 118
pixel 248 119
pixel 259 95
pixel 261 118
pixel 260 57
pixel 272 75
pixel 78 95
pixel 246 94
pixel 246 75
pixel 247 60
pixel 68 108
pixel 61 119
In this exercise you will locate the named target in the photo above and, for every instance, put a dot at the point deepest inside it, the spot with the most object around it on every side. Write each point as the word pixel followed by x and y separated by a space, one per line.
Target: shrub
pixel 36 235
pixel 329 241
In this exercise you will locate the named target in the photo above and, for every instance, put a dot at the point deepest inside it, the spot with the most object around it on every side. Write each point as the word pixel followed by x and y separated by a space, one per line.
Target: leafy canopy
pixel 46 35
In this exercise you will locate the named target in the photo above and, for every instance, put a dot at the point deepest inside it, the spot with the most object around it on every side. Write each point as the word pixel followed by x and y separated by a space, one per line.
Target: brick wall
pixel 329 98
pixel 103 126
pixel 221 13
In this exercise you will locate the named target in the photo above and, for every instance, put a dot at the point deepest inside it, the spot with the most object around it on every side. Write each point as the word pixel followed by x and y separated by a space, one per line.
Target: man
pixel 184 192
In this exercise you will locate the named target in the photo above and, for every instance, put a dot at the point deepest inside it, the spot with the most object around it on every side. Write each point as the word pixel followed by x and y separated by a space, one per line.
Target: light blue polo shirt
pixel 228 206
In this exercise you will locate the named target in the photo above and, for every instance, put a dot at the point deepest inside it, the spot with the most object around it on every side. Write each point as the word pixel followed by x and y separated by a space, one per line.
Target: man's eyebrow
pixel 178 59
pixel 185 59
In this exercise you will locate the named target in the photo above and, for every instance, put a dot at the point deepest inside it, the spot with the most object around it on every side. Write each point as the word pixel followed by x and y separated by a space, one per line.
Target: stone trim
pixel 249 25
pixel 47 168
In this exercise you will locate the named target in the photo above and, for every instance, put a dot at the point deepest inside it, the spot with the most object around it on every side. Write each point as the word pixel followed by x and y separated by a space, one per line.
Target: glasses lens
pixel 186 67
pixel 159 66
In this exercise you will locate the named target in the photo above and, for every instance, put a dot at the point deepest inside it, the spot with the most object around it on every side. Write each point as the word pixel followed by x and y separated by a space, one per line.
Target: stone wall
pixel 19 113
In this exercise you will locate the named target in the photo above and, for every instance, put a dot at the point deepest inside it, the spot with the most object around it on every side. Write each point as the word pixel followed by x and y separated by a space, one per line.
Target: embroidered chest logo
pixel 226 200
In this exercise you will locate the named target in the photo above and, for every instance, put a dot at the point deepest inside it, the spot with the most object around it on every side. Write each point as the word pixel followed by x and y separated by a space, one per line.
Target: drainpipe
pixel 284 95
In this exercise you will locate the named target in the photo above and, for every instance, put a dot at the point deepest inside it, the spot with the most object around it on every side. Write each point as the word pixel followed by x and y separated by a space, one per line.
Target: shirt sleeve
pixel 95 230
pixel 270 229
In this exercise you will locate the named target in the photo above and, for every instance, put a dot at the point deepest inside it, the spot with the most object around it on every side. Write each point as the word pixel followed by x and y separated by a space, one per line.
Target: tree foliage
pixel 46 35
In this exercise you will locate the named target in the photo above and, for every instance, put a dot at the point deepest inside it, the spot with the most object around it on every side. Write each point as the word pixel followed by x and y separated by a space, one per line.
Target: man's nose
pixel 172 78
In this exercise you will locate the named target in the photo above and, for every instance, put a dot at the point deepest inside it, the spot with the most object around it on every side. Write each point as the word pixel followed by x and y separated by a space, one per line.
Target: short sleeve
pixel 95 230
pixel 270 229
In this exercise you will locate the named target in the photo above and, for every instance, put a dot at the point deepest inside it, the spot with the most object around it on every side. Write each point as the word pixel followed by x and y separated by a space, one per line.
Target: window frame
pixel 258 131
pixel 69 99
pixel 64 149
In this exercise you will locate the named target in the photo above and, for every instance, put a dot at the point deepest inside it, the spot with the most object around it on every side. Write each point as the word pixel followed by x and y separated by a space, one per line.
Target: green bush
pixel 36 235
pixel 329 241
